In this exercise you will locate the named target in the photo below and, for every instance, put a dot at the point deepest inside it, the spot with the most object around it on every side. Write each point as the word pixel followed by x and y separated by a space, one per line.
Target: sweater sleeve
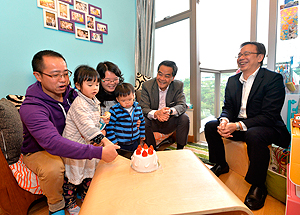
pixel 36 121
pixel 82 118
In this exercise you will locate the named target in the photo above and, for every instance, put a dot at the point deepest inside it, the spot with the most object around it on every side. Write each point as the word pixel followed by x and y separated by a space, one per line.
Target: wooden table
pixel 182 185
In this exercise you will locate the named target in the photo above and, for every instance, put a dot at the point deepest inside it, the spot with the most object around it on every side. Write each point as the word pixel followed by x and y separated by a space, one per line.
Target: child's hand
pixel 106 117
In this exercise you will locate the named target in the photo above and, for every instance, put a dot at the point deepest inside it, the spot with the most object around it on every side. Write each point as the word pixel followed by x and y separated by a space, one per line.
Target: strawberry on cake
pixel 144 159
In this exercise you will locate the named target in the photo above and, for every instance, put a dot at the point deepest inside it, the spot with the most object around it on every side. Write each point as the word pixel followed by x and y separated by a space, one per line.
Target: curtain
pixel 144 47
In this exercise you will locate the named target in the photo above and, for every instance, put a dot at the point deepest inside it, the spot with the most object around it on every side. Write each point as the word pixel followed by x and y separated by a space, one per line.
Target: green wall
pixel 22 34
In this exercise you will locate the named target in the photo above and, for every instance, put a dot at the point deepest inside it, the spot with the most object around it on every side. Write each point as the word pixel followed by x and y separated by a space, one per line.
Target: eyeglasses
pixel 65 74
pixel 246 54
pixel 116 80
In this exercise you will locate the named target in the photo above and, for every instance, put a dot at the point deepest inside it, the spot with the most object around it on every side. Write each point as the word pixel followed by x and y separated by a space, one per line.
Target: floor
pixel 240 188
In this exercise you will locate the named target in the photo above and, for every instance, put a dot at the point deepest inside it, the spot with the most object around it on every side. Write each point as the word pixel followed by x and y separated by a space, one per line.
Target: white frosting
pixel 144 164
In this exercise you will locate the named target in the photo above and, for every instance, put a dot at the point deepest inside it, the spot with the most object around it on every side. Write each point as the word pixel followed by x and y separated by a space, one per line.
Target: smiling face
pixel 126 101
pixel 53 87
pixel 88 88
pixel 248 64
pixel 110 81
pixel 164 77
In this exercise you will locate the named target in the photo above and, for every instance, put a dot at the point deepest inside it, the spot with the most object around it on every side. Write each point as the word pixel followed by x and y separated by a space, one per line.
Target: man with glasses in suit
pixel 251 113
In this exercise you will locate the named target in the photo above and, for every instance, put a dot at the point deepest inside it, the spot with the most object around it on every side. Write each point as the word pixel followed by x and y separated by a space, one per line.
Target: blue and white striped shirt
pixel 122 127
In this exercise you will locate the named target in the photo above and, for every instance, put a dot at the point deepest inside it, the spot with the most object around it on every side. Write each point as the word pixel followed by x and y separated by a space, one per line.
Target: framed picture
pixel 63 10
pixel 66 25
pixel 50 19
pixel 81 6
pixel 95 11
pixel 101 27
pixel 82 33
pixel 90 22
pixel 77 16
pixel 71 2
pixel 96 37
pixel 47 4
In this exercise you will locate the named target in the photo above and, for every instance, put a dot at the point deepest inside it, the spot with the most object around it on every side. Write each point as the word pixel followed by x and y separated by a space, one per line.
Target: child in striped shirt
pixel 122 128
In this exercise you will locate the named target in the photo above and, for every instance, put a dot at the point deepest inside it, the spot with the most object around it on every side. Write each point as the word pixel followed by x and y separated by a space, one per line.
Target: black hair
pixel 260 48
pixel 85 73
pixel 109 66
pixel 124 89
pixel 169 64
pixel 38 61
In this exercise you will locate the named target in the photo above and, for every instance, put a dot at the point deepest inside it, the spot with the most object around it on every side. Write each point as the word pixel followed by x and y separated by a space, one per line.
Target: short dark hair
pixel 169 64
pixel 38 61
pixel 260 48
pixel 124 89
pixel 109 66
pixel 85 73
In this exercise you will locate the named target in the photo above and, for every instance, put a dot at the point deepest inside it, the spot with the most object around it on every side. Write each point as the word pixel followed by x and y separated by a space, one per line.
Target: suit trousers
pixel 50 170
pixel 257 139
pixel 180 124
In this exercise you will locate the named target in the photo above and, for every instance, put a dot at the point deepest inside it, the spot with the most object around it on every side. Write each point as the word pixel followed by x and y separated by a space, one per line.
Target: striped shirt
pixel 122 127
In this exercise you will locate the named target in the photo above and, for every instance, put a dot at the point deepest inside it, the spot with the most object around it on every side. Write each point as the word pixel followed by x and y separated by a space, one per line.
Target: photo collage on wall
pixel 58 15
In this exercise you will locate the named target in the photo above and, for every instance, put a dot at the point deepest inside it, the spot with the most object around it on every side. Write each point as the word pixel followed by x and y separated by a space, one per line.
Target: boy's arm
pixel 110 127
pixel 142 124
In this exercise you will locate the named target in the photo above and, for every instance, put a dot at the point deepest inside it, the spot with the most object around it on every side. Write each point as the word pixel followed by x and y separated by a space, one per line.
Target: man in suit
pixel 164 106
pixel 251 113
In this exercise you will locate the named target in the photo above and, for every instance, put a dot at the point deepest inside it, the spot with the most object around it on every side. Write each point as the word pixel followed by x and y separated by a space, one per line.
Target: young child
pixel 122 127
pixel 83 126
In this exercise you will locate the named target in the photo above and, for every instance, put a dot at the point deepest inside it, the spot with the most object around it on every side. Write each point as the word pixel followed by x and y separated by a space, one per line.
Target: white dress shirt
pixel 162 103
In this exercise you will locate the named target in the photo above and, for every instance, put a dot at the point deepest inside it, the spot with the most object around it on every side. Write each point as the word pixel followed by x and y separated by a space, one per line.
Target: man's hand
pixel 225 129
pixel 138 123
pixel 163 114
pixel 109 152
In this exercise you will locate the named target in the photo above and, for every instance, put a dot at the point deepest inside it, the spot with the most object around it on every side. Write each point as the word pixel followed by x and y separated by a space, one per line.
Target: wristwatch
pixel 98 138
pixel 238 128
pixel 171 111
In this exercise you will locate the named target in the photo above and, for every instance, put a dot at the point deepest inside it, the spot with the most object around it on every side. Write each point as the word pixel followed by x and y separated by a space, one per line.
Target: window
pixel 172 42
pixel 223 27
pixel 288 45
pixel 168 8
pixel 207 95
pixel 263 25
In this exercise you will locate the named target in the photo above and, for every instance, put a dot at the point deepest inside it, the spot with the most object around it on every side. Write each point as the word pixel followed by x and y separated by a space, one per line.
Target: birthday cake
pixel 144 159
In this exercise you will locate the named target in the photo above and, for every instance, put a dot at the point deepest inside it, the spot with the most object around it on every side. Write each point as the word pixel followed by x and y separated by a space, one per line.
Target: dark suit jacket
pixel 174 98
pixel 264 103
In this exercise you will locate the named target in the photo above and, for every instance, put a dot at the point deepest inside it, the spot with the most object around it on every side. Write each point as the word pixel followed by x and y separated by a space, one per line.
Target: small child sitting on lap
pixel 83 126
pixel 122 128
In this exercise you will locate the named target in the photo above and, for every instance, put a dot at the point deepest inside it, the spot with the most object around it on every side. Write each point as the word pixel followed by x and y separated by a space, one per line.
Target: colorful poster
pixel 289 23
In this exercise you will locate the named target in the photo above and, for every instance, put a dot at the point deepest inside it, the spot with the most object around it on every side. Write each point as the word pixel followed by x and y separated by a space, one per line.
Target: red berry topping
pixel 151 147
pixel 145 146
pixel 150 150
pixel 139 147
pixel 144 154
pixel 138 151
